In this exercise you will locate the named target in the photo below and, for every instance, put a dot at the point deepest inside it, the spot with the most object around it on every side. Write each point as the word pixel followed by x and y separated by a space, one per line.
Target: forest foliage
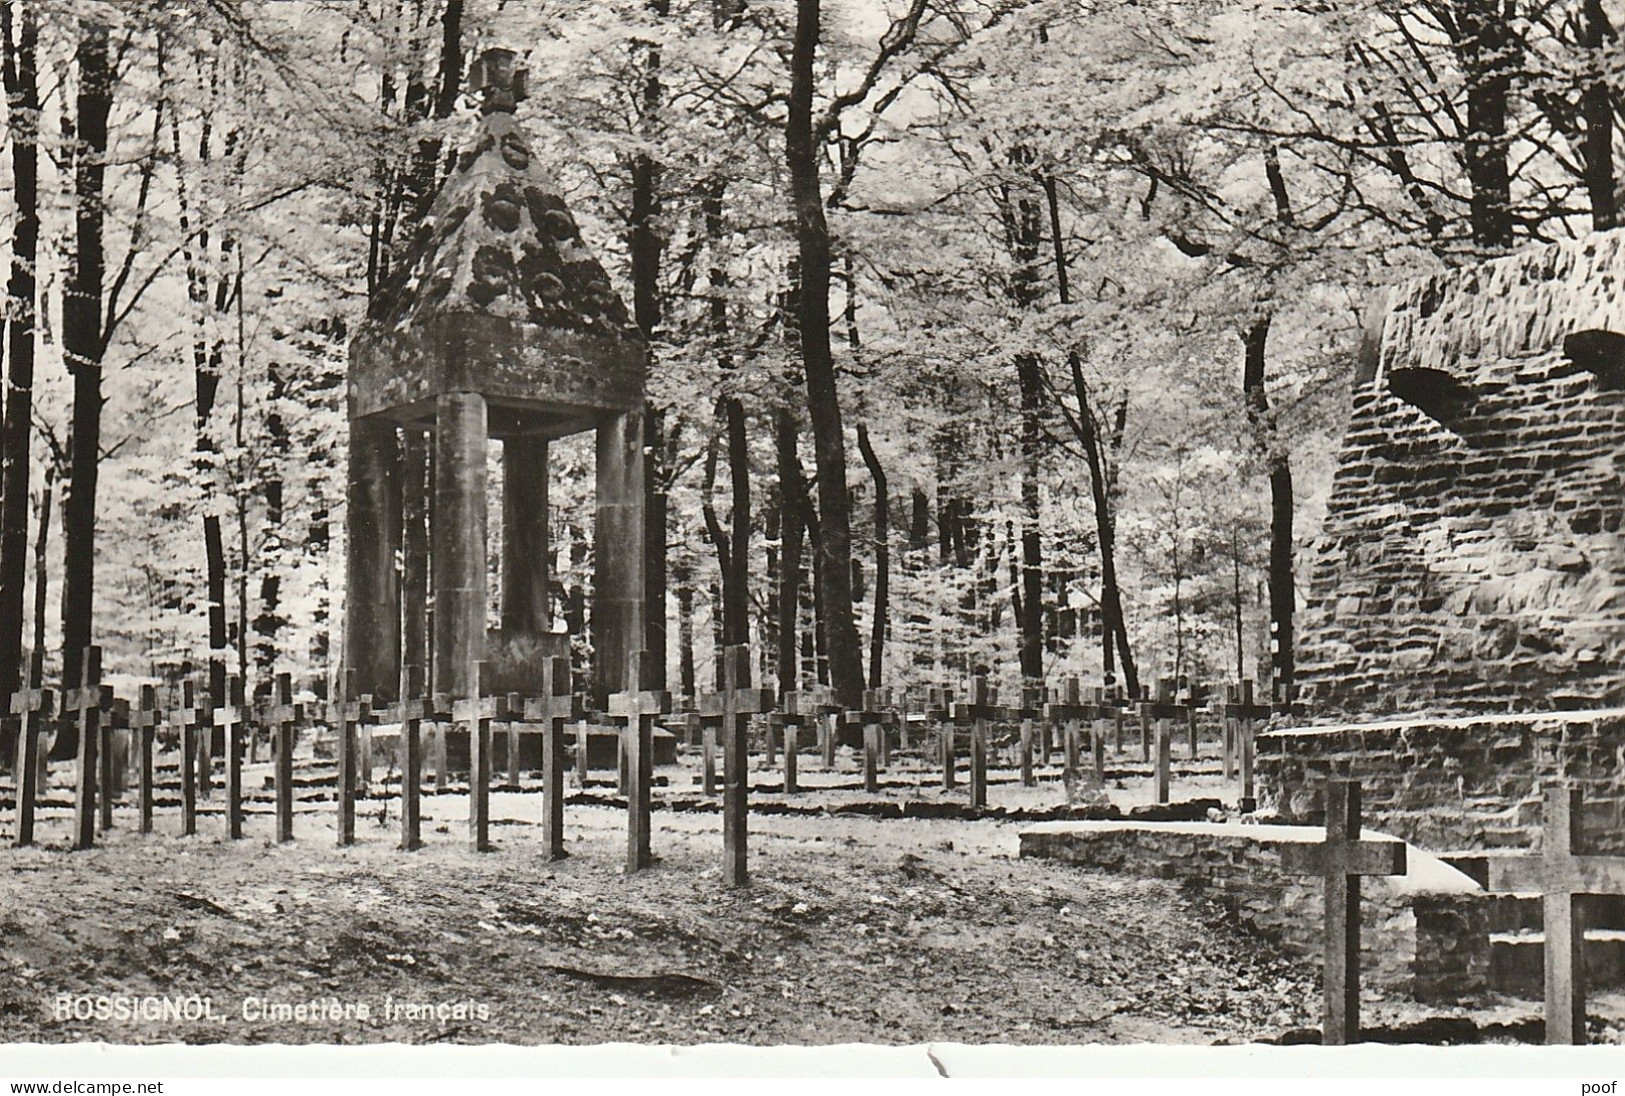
pixel 1085 280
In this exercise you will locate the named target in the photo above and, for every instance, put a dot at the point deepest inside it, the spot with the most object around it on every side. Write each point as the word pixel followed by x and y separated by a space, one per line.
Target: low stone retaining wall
pixel 1470 783
pixel 1424 934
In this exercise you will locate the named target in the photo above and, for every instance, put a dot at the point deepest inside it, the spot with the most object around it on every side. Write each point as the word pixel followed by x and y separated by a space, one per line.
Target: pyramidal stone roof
pixel 499 241
pixel 498 295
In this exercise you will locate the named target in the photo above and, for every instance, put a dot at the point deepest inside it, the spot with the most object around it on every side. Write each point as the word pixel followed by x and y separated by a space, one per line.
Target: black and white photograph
pixel 821 527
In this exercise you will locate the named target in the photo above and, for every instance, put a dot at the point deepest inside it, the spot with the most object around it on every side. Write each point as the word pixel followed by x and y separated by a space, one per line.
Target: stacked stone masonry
pixel 1463 784
pixel 1472 557
pixel 1428 946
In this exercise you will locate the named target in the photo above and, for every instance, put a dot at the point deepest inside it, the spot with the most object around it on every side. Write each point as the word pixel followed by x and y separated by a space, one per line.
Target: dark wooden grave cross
pixel 978 710
pixel 1114 697
pixel 349 714
pixel 1192 697
pixel 1159 712
pixel 283 716
pixel 1070 711
pixel 708 755
pixel 410 712
pixel 188 717
pixel 1106 710
pixel 873 717
pixel 439 715
pixel 1341 860
pixel 85 705
pixel 1029 713
pixel 34 706
pixel 885 703
pixel 734 705
pixel 510 712
pixel 478 710
pixel 230 718
pixel 820 703
pixel 115 756
pixel 637 708
pixel 788 723
pixel 1562 876
pixel 556 707
pixel 1241 714
pixel 939 711
pixel 144 723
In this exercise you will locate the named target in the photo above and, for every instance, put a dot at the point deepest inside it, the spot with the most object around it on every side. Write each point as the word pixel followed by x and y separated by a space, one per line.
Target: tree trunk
pixel 82 349
pixel 1024 235
pixel 20 34
pixel 792 526
pixel 736 586
pixel 42 539
pixel 1282 597
pixel 645 248
pixel 685 628
pixel 1113 626
pixel 823 399
pixel 877 637
pixel 268 623
pixel 1487 44
pixel 1597 106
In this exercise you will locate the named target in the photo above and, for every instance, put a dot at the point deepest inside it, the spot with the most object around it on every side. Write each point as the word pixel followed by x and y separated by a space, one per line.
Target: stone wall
pixel 1471 558
pixel 1468 783
pixel 1423 935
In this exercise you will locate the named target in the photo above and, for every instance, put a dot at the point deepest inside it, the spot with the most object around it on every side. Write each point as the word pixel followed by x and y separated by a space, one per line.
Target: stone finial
pixel 498 80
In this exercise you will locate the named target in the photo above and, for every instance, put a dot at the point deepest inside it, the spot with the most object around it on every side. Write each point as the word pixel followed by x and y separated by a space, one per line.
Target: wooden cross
pixel 1341 860
pixel 284 717
pixel 144 723
pixel 734 704
pixel 34 706
pixel 478 711
pixel 1070 711
pixel 1562 876
pixel 819 702
pixel 1192 697
pixel 1029 713
pixel 939 711
pixel 85 705
pixel 979 710
pixel 1160 711
pixel 874 718
pixel 637 708
pixel 410 712
pixel 556 707
pixel 349 713
pixel 1240 714
pixel 509 711
pixel 788 723
pixel 230 717
pixel 188 717
pixel 1106 711
pixel 1119 714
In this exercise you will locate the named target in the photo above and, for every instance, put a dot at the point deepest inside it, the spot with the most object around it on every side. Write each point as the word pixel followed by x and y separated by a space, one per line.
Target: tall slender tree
pixel 84 344
pixel 19 37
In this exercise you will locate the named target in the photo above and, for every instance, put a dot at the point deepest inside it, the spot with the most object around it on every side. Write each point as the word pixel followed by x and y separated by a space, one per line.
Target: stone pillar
pixel 654 560
pixel 415 549
pixel 459 539
pixel 372 601
pixel 524 538
pixel 620 587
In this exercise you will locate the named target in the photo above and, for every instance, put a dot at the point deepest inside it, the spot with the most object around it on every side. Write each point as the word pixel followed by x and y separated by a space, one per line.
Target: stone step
pixel 1522 912
pixel 1517 961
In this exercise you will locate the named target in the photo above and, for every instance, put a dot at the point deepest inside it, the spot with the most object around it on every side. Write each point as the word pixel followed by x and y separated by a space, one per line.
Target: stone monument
pixel 498 322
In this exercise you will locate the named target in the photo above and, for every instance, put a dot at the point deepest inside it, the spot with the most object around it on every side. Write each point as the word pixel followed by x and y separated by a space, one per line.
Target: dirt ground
pixel 855 928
